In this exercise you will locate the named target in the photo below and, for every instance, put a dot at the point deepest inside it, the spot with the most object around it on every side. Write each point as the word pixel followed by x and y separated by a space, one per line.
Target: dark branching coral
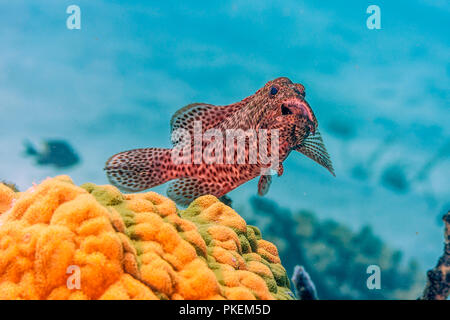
pixel 438 285
pixel 335 256
pixel 304 286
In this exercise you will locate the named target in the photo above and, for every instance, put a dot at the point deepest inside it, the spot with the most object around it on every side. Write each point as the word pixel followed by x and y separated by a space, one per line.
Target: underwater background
pixel 381 98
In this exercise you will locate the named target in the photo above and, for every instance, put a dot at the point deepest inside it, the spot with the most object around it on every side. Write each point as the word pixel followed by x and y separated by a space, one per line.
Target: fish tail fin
pixel 140 169
pixel 30 150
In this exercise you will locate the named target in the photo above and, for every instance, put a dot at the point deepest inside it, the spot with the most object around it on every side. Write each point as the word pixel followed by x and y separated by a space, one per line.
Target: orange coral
pixel 7 196
pixel 60 241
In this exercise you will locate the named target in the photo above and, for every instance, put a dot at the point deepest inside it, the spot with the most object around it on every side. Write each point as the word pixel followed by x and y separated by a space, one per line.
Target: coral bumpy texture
pixel 130 246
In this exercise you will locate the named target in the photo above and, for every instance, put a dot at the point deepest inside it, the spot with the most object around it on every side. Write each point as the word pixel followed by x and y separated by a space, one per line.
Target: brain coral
pixel 129 246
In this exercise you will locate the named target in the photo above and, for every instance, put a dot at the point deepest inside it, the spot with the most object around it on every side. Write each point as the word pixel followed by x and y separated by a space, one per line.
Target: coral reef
pixel 129 246
pixel 438 284
pixel 7 196
pixel 304 286
pixel 10 185
pixel 335 256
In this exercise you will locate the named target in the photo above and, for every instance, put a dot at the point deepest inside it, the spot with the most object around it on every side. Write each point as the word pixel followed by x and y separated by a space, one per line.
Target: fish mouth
pixel 300 107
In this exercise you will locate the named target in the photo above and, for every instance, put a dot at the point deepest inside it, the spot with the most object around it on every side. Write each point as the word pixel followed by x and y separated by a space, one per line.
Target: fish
pixel 278 112
pixel 56 153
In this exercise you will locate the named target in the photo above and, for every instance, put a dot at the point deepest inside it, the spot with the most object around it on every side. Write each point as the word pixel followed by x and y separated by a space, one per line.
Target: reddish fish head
pixel 287 105
pixel 287 99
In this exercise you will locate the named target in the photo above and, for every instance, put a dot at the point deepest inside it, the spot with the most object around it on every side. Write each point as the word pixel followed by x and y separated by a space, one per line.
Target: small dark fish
pixel 394 178
pixel 57 153
pixel 280 105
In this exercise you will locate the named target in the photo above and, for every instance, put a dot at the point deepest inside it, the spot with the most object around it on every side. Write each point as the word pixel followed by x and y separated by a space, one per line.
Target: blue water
pixel 381 96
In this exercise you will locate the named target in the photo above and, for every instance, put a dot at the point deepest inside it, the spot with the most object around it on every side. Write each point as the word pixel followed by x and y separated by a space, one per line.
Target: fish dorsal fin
pixel 209 115
pixel 187 113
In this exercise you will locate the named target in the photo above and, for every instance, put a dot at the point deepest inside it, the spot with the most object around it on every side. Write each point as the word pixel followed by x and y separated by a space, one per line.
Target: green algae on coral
pixel 247 238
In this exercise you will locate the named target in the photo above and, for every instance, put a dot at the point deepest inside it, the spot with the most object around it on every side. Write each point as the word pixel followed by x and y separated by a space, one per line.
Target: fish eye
pixel 273 91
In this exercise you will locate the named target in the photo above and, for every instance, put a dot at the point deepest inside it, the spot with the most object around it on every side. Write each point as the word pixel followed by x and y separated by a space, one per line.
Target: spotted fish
pixel 279 105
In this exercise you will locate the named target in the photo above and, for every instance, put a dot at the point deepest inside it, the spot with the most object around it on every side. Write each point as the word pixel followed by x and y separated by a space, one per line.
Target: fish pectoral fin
pixel 314 148
pixel 209 114
pixel 264 184
pixel 280 169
